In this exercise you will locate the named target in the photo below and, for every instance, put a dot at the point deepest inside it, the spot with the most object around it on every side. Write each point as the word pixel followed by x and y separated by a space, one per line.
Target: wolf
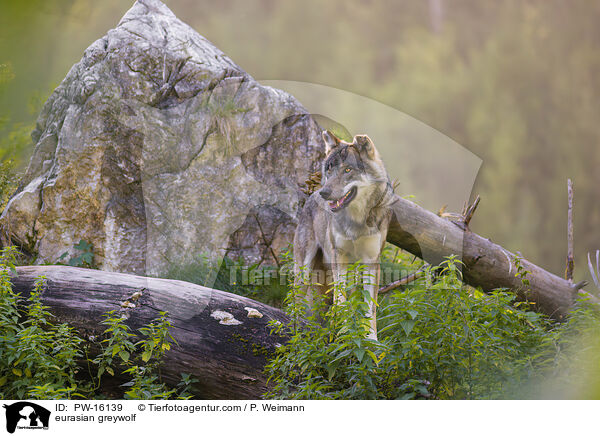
pixel 345 221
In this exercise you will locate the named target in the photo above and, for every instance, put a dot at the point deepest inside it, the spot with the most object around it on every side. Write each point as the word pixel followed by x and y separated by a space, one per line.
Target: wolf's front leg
pixel 303 285
pixel 340 276
pixel 371 284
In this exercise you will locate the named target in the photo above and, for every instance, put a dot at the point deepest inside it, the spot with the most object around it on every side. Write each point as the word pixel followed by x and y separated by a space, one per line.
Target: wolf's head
pixel 353 174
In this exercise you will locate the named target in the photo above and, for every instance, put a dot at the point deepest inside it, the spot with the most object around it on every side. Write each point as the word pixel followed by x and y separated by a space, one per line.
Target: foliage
pixel 15 140
pixel 39 358
pixel 331 361
pixel 438 339
pixel 43 360
pixel 396 263
pixel 118 349
pixel 268 284
pixel 464 343
pixel 141 360
pixel 118 345
pixel 85 258
pixel 571 358
pixel 512 81
pixel 8 182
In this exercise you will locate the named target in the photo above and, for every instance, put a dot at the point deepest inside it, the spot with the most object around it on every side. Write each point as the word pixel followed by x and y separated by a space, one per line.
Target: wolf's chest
pixel 364 249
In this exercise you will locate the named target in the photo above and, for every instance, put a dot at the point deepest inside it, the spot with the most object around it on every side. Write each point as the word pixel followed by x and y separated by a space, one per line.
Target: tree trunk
pixel 226 354
pixel 486 264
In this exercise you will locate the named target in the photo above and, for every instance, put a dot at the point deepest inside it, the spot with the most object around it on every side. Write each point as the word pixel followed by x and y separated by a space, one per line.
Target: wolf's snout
pixel 325 193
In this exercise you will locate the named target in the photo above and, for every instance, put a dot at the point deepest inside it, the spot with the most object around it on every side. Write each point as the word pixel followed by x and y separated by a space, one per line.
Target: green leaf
pixel 374 357
pixel 17 372
pixel 330 372
pixel 359 353
pixel 407 326
pixel 124 355
pixel 146 355
pixel 341 355
pixel 110 370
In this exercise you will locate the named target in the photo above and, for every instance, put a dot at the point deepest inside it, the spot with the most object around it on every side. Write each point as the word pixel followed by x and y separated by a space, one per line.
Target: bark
pixel 486 264
pixel 570 256
pixel 226 356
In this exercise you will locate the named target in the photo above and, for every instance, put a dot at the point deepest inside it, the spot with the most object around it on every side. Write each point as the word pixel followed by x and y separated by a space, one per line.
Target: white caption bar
pixel 296 417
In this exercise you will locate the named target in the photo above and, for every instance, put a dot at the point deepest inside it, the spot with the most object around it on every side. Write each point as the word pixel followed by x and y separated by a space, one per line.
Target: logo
pixel 26 415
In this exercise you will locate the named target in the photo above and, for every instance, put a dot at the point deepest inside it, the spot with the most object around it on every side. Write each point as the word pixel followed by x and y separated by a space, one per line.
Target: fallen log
pixel 222 339
pixel 486 264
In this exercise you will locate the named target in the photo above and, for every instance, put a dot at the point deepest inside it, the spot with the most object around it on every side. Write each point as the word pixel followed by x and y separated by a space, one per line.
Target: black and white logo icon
pixel 26 415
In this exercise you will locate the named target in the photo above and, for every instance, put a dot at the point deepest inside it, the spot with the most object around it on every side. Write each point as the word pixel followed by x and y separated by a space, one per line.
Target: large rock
pixel 157 148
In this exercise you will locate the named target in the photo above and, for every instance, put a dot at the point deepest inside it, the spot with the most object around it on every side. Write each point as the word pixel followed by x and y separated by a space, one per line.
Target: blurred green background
pixel 515 82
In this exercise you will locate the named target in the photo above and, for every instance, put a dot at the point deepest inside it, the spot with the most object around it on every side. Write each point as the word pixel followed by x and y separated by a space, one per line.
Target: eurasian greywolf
pixel 344 222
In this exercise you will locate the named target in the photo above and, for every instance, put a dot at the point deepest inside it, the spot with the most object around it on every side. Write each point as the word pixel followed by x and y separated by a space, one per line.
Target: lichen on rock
pixel 157 148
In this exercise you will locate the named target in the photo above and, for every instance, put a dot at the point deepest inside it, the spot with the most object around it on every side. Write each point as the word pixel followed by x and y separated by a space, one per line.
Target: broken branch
pixel 403 281
pixel 570 257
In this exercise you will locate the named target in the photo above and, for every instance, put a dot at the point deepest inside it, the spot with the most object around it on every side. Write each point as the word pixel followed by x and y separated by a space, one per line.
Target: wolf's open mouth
pixel 344 201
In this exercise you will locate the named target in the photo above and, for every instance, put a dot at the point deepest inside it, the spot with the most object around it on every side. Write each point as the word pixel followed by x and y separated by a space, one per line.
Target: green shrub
pixel 38 358
pixel 43 360
pixel 118 351
pixel 329 356
pixel 267 284
pixel 438 339
pixel 464 343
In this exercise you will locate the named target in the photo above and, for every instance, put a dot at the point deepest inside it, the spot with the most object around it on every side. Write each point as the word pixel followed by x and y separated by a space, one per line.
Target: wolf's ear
pixel 331 141
pixel 365 145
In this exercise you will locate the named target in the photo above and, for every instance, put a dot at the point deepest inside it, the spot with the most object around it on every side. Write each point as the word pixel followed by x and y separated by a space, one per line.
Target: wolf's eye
pixel 347 170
